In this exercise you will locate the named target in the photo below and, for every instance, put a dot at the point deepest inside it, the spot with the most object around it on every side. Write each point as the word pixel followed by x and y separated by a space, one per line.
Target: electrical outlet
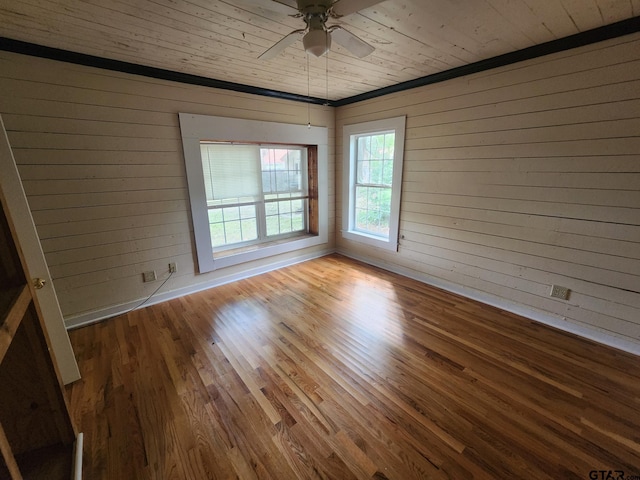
pixel 559 292
pixel 173 268
pixel 149 276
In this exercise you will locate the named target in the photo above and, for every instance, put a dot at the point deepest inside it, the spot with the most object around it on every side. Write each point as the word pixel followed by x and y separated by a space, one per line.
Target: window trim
pixel 349 134
pixel 195 128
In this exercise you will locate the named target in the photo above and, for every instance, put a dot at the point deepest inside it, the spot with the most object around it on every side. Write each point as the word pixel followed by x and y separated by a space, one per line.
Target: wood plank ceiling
pixel 222 39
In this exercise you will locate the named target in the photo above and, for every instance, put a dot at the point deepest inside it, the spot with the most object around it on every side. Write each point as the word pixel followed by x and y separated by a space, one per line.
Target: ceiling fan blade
pixel 348 40
pixel 276 49
pixel 282 7
pixel 344 7
pixel 288 3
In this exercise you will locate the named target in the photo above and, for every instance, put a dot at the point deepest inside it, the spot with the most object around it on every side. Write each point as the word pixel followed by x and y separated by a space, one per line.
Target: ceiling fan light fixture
pixel 317 42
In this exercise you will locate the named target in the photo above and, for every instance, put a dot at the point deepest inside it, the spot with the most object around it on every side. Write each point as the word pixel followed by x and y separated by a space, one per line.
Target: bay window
pixel 256 188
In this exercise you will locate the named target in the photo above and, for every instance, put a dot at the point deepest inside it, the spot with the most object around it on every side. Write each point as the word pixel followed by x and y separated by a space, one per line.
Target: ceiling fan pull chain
pixel 308 94
pixel 326 76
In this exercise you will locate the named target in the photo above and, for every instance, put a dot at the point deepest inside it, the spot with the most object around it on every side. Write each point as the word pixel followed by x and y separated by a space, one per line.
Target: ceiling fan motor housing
pixel 317 40
pixel 314 7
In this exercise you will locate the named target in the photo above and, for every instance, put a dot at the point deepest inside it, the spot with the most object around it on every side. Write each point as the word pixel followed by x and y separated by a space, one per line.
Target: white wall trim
pixel 95 316
pixel 591 333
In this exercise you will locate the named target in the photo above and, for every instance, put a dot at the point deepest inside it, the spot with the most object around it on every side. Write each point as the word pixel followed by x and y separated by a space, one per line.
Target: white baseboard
pixel 591 333
pixel 94 316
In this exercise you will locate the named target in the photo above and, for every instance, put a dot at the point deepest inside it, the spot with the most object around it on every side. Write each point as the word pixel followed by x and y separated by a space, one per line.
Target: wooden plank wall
pixel 100 156
pixel 523 177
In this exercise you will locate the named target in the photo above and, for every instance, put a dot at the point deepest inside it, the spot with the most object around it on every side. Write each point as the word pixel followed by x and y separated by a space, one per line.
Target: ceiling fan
pixel 317 36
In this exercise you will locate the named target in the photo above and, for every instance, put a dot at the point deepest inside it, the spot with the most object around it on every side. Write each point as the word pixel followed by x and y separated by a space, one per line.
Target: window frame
pixel 350 133
pixel 196 128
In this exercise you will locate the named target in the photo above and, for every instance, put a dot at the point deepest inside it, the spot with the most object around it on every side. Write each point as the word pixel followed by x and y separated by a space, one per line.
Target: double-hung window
pixel 373 154
pixel 257 189
pixel 255 193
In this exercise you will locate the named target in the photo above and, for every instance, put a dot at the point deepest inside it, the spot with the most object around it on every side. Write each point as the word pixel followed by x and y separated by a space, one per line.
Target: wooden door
pixel 36 266
pixel 37 435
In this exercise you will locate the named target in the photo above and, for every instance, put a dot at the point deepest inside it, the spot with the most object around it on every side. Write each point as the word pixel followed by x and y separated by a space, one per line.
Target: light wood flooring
pixel 334 369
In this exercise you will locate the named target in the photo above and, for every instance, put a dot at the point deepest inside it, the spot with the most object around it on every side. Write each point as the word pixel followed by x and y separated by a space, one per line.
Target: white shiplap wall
pixel 100 156
pixel 522 177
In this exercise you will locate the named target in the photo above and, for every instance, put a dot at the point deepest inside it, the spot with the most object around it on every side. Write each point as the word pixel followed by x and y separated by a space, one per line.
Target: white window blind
pixel 231 171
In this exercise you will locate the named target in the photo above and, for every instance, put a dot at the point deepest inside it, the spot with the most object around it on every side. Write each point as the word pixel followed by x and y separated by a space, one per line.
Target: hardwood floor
pixel 334 369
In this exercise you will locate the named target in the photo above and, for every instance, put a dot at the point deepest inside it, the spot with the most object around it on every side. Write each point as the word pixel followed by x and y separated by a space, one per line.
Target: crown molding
pixel 614 30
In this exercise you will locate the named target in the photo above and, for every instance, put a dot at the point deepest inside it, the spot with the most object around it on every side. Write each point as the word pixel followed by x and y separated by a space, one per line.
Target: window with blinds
pixel 254 193
pixel 256 189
